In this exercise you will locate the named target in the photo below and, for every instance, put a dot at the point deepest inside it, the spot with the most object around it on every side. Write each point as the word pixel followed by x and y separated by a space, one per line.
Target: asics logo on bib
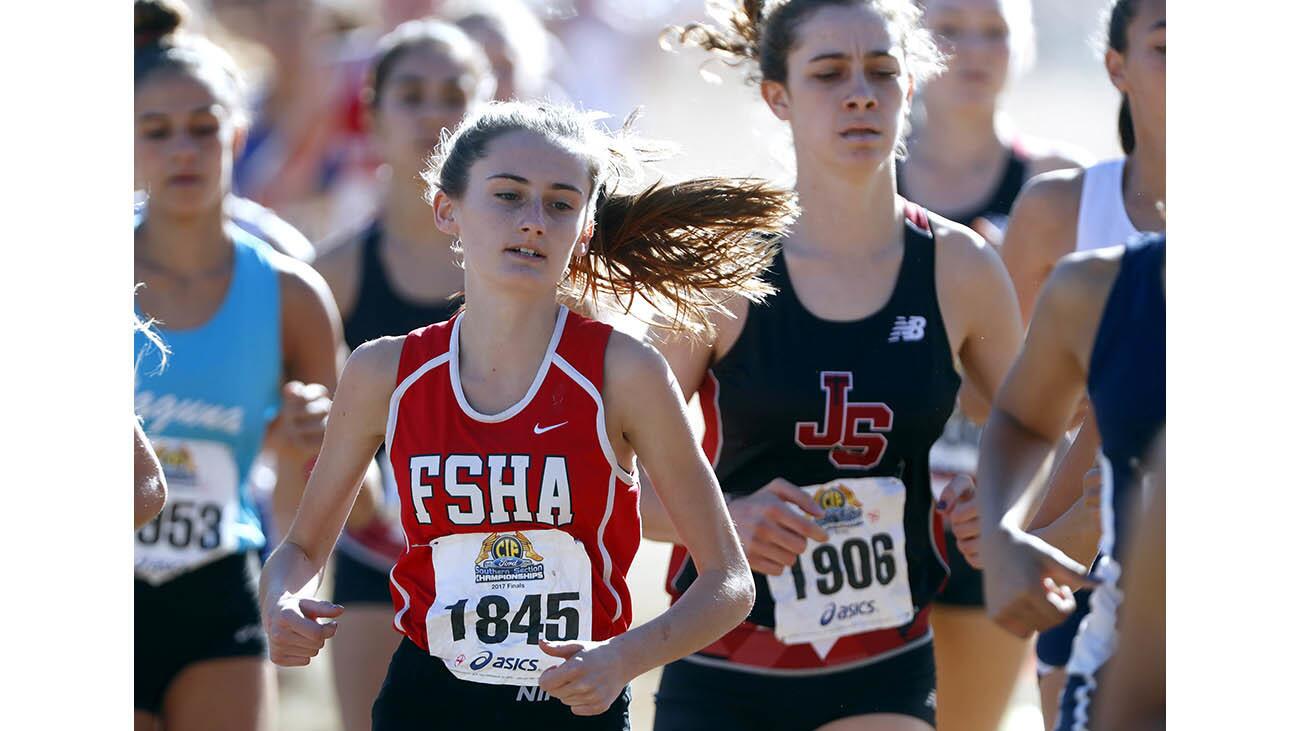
pixel 848 429
pixel 458 482
pixel 909 329
pixel 842 612
pixel 486 658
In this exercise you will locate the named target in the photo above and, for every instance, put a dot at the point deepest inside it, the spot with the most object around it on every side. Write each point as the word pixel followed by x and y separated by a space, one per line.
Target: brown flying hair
pixel 683 248
pixel 763 33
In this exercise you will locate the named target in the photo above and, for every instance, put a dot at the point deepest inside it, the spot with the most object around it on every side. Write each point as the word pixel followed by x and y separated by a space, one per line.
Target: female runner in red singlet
pixel 514 431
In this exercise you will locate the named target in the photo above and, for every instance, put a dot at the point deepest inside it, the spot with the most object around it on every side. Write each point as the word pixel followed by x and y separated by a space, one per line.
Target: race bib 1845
pixel 857 580
pixel 499 594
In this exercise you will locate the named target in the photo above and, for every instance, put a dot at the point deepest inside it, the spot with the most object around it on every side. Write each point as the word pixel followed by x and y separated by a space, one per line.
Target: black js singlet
pixel 811 401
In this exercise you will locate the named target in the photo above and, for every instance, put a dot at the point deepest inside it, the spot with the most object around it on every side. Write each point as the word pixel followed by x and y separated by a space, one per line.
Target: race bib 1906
pixel 499 594
pixel 857 580
pixel 196 525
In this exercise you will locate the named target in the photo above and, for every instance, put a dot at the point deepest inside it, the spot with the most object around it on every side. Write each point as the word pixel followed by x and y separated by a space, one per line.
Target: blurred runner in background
pixel 966 161
pixel 396 274
pixel 251 333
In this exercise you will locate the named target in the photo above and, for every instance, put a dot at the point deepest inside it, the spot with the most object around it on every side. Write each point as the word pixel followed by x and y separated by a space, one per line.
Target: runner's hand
pixel 292 631
pixel 299 428
pixel 1028 584
pixel 958 505
pixel 772 533
pixel 589 680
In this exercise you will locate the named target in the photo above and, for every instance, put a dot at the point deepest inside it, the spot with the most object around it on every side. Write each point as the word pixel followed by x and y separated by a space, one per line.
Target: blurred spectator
pixel 305 155
pixel 517 45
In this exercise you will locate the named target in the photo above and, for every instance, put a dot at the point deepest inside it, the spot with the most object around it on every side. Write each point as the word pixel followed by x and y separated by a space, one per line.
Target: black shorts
pixel 1053 646
pixel 419 692
pixel 695 697
pixel 205 614
pixel 357 582
pixel 965 586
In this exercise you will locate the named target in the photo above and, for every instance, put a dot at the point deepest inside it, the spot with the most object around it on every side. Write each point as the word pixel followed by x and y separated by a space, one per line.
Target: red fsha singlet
pixel 542 468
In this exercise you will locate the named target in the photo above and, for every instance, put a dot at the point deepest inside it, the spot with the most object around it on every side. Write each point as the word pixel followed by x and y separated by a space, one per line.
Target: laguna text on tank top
pixel 1126 384
pixel 1103 221
pixel 849 411
pixel 380 311
pixel 206 413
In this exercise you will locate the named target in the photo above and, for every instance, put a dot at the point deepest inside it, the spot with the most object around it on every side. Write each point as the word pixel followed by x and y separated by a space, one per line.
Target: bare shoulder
pixel 1048 155
pixel 301 286
pixel 1084 275
pixel 633 364
pixel 373 365
pixel 1075 294
pixel 962 257
pixel 1053 192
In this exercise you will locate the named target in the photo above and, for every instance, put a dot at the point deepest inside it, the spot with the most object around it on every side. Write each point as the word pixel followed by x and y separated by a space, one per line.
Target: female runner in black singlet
pixel 395 275
pixel 966 162
pixel 822 404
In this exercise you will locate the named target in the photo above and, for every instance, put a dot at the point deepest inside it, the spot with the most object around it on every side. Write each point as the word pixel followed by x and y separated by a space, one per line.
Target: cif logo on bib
pixel 508 557
pixel 177 463
pixel 842 508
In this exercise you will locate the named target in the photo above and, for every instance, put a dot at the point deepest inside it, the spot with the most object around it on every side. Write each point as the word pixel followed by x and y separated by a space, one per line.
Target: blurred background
pixel 308 159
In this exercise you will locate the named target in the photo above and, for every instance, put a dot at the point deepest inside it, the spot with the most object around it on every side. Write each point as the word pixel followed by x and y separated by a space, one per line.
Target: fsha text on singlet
pixel 520 526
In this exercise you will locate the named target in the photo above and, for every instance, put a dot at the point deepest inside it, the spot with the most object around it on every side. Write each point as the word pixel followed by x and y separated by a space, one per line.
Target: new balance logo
pixel 909 329
pixel 539 429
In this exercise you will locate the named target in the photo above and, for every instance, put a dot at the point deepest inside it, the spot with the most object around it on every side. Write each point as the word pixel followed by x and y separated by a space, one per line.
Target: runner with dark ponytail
pixel 821 406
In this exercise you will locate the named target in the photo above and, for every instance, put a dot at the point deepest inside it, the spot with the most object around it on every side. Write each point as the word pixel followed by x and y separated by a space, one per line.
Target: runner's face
pixel 975 37
pixel 526 192
pixel 425 93
pixel 847 89
pixel 183 143
pixel 1142 68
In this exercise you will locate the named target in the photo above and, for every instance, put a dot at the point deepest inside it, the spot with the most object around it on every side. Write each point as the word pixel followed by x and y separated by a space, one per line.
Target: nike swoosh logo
pixel 537 428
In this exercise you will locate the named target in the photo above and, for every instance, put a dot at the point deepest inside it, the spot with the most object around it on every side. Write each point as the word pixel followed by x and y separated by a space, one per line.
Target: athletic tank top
pixel 997 207
pixel 815 402
pixel 1126 383
pixel 1103 221
pixel 524 515
pixel 206 412
pixel 380 311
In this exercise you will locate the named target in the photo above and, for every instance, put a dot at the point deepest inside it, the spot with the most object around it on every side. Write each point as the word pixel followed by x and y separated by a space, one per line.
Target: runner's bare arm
pixel 310 332
pixel 1032 410
pixel 977 299
pixel 1040 232
pixel 689 360
pixel 150 485
pixel 356 427
pixel 652 415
